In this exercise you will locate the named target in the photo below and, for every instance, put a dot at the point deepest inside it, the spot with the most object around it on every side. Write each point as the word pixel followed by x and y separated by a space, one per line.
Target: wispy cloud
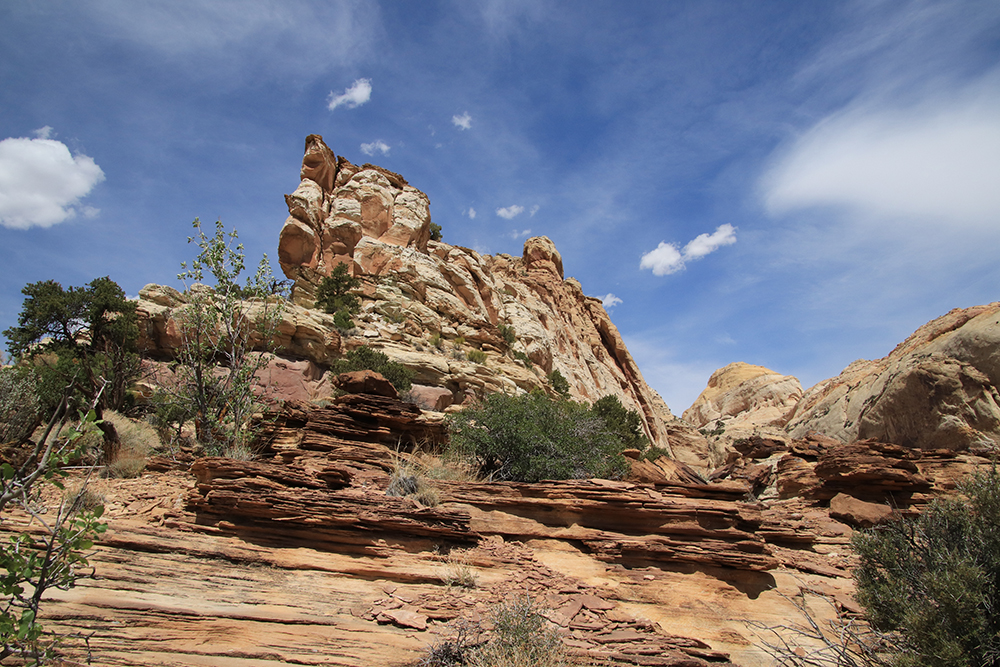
pixel 534 210
pixel 667 258
pixel 378 146
pixel 470 212
pixel 41 182
pixel 510 212
pixel 463 122
pixel 610 300
pixel 937 161
pixel 524 233
pixel 358 93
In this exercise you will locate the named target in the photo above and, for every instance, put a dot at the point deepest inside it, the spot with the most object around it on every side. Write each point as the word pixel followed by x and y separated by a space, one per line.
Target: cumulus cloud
pixel 359 93
pixel 378 146
pixel 667 258
pixel 510 212
pixel 41 183
pixel 471 213
pixel 463 122
pixel 610 300
pixel 938 161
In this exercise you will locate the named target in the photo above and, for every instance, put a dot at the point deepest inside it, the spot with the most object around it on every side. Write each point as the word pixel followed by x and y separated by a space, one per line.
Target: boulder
pixel 430 398
pixel 366 382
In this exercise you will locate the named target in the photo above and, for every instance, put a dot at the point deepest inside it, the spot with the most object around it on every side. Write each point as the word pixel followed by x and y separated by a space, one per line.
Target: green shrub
pixel 477 356
pixel 559 383
pixel 508 334
pixel 365 358
pixel 524 359
pixel 342 320
pixel 625 423
pixel 531 437
pixel 435 232
pixel 334 292
pixel 935 580
pixel 436 340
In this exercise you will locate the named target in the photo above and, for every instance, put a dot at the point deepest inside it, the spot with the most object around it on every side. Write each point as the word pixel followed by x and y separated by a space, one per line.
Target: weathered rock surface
pixel 301 557
pixel 428 304
pixel 745 395
pixel 937 389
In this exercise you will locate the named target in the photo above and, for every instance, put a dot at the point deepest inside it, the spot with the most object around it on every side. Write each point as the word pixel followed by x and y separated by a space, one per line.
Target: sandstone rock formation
pixel 428 304
pixel 937 389
pixel 745 395
pixel 303 557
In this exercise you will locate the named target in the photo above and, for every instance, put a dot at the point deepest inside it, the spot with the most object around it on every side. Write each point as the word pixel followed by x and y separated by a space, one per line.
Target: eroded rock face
pixel 937 389
pixel 430 306
pixel 745 395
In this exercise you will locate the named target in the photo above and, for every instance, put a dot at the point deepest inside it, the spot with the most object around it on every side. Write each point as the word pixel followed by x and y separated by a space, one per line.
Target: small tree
pixel 34 562
pixel 334 296
pixel 221 327
pixel 81 337
pixel 935 581
pixel 435 232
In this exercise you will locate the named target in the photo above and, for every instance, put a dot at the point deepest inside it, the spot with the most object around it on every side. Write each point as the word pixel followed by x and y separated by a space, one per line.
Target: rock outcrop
pixel 304 556
pixel 742 394
pixel 938 389
pixel 431 306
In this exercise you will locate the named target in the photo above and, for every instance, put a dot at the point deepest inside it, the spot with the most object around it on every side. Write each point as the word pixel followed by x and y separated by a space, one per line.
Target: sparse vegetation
pixel 365 358
pixel 436 232
pixel 531 437
pixel 508 334
pixel 436 340
pixel 520 637
pixel 459 573
pixel 477 356
pixel 524 359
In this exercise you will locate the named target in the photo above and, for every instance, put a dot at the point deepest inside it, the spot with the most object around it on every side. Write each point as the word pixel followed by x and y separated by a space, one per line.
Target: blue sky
pixel 795 185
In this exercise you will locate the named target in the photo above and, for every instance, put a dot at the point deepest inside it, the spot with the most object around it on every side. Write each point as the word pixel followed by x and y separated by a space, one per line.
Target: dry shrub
pixel 459 572
pixel 409 480
pixel 83 498
pixel 138 440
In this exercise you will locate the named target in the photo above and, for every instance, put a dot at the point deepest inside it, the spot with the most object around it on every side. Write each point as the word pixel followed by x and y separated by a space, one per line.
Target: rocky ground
pixel 301 557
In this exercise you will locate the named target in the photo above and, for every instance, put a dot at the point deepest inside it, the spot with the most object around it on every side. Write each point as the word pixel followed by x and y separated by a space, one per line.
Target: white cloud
pixel 667 258
pixel 510 212
pixel 664 260
pixel 520 234
pixel 463 122
pixel 704 244
pixel 938 162
pixel 534 210
pixel 378 146
pixel 359 93
pixel 610 300
pixel 471 213
pixel 41 182
pixel 43 132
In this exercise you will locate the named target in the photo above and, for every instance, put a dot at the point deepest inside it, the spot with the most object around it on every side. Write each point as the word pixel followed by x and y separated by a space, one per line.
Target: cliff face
pixel 427 304
pixel 938 389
